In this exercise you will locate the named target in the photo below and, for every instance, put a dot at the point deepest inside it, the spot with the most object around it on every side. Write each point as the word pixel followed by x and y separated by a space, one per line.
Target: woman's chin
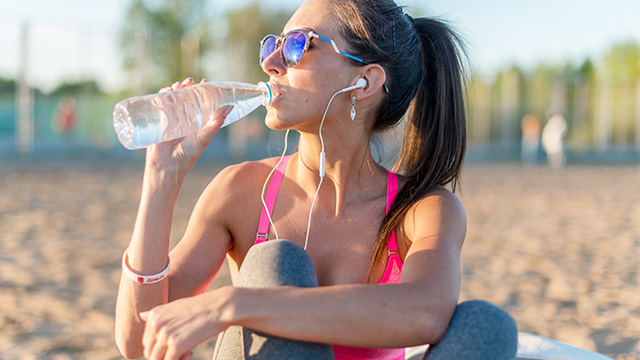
pixel 273 122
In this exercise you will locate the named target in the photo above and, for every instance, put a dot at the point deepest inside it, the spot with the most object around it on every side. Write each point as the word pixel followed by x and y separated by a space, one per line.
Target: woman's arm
pixel 417 311
pixel 147 254
pixel 165 169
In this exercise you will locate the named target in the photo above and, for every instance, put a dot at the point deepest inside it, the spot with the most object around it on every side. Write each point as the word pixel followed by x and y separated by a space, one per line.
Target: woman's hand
pixel 180 154
pixel 173 329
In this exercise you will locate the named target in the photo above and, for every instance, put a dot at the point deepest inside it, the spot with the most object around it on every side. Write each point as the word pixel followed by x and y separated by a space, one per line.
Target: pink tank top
pixel 391 274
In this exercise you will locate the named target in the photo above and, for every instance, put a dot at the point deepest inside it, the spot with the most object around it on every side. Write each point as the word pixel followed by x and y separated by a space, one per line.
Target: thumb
pixel 220 115
pixel 205 135
pixel 144 315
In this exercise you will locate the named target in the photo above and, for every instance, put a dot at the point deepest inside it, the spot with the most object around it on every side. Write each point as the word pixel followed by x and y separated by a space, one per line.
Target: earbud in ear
pixel 360 84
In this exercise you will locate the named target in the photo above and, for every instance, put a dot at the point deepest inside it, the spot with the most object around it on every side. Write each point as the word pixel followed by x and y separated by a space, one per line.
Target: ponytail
pixel 423 67
pixel 435 138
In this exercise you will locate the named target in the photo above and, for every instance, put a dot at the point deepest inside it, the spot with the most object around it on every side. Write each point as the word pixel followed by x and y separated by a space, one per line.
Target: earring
pixel 353 108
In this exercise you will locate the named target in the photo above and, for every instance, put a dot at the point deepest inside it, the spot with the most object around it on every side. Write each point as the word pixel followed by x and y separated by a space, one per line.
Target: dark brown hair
pixel 422 61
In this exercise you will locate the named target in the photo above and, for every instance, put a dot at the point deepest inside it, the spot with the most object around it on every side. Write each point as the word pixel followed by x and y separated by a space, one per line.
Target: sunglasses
pixel 293 45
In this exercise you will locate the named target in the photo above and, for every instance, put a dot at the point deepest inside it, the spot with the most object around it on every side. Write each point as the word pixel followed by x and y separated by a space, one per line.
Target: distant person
pixel 66 115
pixel 553 138
pixel 66 118
pixel 531 129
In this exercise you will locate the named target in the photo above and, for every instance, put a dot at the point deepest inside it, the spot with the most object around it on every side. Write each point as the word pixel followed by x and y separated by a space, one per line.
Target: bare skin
pixel 167 319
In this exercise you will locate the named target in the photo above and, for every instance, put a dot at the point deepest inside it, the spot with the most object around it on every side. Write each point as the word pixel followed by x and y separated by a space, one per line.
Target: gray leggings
pixel 478 329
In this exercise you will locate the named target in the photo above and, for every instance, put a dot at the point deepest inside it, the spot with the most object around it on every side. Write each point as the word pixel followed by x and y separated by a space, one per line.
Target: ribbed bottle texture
pixel 144 120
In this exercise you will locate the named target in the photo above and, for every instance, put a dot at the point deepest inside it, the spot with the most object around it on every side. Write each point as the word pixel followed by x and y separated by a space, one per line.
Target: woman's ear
pixel 375 76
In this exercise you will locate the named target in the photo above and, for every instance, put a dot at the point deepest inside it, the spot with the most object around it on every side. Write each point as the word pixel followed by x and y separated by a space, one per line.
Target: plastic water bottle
pixel 144 120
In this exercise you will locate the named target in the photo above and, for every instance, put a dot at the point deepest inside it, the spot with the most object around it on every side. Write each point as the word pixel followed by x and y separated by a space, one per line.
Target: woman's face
pixel 303 92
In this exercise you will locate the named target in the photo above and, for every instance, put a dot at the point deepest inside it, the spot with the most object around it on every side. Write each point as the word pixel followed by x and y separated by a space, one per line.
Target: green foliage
pixel 89 87
pixel 153 35
pixel 246 27
pixel 7 85
pixel 621 64
pixel 586 71
pixel 598 101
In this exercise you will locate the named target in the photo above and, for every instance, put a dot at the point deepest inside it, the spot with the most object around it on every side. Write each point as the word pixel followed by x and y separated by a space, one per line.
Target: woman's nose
pixel 273 64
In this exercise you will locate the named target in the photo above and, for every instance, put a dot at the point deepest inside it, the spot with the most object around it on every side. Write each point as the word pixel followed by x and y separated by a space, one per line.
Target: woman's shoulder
pixel 441 201
pixel 245 177
pixel 236 188
pixel 248 172
pixel 439 210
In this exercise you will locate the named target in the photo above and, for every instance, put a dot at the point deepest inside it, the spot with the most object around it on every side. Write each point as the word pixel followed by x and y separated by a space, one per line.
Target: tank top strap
pixel 392 192
pixel 392 189
pixel 270 200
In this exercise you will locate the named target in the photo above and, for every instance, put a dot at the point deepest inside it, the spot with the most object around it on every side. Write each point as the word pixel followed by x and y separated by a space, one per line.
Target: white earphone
pixel 360 84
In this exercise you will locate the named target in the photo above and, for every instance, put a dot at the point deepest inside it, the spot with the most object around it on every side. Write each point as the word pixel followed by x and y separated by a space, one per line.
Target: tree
pixel 246 27
pixel 7 85
pixel 76 88
pixel 152 39
pixel 621 64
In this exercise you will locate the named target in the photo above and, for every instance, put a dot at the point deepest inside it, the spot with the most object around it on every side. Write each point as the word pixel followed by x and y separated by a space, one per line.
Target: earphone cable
pixel 322 160
pixel 264 186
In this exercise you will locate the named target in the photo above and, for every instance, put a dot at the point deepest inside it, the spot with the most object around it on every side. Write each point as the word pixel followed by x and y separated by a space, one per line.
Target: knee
pixel 483 328
pixel 277 263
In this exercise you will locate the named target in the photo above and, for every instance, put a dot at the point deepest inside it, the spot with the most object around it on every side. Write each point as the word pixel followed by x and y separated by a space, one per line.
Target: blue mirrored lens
pixel 293 48
pixel 268 47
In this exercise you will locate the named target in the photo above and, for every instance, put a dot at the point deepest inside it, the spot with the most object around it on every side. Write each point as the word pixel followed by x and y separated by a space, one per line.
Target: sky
pixel 78 39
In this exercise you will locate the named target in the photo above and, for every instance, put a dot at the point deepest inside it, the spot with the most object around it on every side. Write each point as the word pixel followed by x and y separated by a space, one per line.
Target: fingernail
pixel 228 110
pixel 190 79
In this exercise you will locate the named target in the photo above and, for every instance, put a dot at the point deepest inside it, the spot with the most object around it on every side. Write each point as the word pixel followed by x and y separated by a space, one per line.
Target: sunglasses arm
pixel 335 47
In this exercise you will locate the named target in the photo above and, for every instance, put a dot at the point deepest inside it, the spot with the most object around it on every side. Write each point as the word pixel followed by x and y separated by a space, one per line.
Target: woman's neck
pixel 351 174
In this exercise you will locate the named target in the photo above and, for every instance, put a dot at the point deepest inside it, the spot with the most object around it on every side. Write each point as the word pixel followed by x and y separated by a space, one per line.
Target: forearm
pixel 396 315
pixel 147 254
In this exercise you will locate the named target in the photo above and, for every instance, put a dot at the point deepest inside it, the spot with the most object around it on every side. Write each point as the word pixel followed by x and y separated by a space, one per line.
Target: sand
pixel 559 250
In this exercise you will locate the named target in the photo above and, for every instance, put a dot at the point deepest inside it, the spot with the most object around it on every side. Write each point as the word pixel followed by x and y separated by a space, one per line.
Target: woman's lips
pixel 275 92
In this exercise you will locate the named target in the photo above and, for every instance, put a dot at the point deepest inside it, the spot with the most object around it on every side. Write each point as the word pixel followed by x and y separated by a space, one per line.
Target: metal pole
pixel 638 114
pixel 24 118
pixel 604 120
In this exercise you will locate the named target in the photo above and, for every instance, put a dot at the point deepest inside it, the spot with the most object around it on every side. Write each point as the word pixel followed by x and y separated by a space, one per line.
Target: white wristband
pixel 143 279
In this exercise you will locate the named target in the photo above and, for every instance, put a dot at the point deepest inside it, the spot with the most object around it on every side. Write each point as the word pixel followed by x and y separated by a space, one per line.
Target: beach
pixel 558 249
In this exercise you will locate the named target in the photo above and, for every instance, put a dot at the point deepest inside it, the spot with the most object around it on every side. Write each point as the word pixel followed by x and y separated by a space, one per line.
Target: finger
pixel 172 352
pixel 149 335
pixel 165 89
pixel 188 81
pixel 158 352
pixel 177 85
pixel 186 356
pixel 204 80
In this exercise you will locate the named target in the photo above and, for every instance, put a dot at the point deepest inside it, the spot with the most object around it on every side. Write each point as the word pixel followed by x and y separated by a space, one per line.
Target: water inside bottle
pixel 245 99
pixel 141 121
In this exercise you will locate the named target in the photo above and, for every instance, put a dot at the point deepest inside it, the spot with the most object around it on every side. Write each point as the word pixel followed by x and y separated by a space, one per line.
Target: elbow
pixel 129 350
pixel 128 346
pixel 439 326
pixel 432 324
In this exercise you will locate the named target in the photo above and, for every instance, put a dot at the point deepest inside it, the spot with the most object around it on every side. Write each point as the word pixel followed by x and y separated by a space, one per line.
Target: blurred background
pixel 65 65
pixel 551 184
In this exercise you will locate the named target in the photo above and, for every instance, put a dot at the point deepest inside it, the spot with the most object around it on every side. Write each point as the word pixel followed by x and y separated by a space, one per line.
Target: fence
pixel 602 120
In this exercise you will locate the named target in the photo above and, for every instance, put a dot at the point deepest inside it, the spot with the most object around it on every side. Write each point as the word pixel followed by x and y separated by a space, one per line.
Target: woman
pixel 345 70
